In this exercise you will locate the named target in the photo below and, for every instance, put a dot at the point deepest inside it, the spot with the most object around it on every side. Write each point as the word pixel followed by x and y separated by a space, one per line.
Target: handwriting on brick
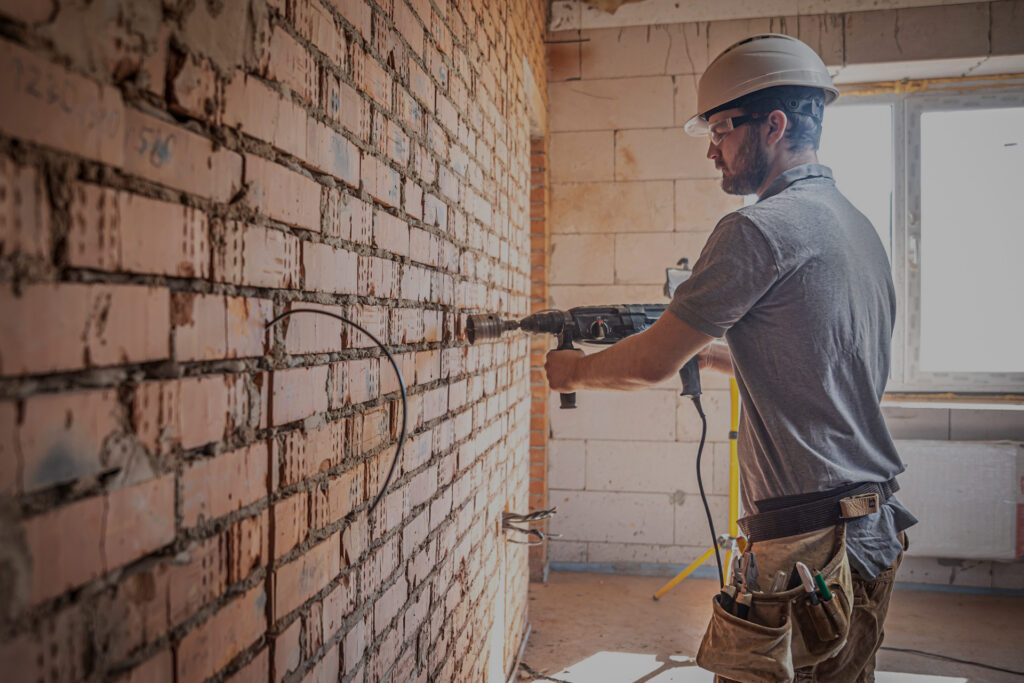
pixel 51 106
pixel 155 146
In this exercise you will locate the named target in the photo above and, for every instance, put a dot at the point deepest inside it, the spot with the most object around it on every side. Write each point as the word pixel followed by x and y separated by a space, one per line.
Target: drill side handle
pixel 565 342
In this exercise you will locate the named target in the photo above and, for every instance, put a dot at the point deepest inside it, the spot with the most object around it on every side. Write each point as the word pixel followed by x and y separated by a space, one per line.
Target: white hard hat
pixel 756 63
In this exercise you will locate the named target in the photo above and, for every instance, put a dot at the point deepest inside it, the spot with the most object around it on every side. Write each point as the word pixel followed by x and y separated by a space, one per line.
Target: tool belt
pixel 764 633
pixel 806 512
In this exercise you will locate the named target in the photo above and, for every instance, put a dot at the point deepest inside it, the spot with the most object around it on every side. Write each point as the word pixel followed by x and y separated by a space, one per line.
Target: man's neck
pixel 785 161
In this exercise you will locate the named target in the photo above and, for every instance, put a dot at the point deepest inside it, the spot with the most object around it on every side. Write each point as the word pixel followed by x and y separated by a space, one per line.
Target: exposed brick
pixel 291 65
pixel 213 487
pixel 51 106
pixel 258 110
pixel 62 437
pixel 353 646
pixel 287 653
pixel 256 256
pixel 256 671
pixel 112 230
pixel 138 520
pixel 25 224
pixel 56 649
pixel 291 521
pixel 329 152
pixel 298 393
pixel 65 547
pixel 173 156
pixel 326 670
pixel 390 233
pixel 337 605
pixel 298 581
pixel 282 194
pixel 205 650
pixel 157 669
pixel 86 325
pixel 193 88
pixel 381 181
pixel 328 269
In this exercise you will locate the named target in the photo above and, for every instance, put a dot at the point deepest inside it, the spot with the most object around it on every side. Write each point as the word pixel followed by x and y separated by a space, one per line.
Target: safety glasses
pixel 719 129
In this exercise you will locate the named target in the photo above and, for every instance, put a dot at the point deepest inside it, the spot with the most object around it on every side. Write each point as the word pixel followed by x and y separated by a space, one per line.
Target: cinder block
pixel 624 52
pixel 691 520
pixel 641 415
pixel 640 466
pixel 723 34
pixel 613 517
pixel 611 207
pixel 684 92
pixel 700 204
pixel 568 296
pixel 581 157
pixel 566 464
pixel 633 553
pixel 610 104
pixel 641 258
pixel 716 407
pixel 582 259
pixel 660 154
pixel 566 551
pixel 688 48
pixel 824 33
pixel 918 33
pixel 563 58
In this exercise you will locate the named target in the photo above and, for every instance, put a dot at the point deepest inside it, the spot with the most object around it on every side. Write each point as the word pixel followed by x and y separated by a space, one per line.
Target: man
pixel 799 286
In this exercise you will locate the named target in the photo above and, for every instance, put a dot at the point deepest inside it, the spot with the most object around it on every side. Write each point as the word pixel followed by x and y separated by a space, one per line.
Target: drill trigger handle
pixel 565 342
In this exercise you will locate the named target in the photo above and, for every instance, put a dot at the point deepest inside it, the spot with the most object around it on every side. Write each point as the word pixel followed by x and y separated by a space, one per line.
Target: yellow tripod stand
pixel 734 501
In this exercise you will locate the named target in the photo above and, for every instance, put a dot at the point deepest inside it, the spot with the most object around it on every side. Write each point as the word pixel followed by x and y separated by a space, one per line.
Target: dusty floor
pixel 597 627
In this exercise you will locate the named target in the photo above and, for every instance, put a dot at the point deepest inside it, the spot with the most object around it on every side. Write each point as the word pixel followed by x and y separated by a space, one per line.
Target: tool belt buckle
pixel 858 506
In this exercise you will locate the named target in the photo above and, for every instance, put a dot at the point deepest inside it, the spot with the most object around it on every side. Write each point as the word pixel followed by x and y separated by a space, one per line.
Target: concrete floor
pixel 591 628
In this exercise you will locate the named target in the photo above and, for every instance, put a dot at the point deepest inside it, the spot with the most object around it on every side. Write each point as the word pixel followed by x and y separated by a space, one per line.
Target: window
pixel 941 176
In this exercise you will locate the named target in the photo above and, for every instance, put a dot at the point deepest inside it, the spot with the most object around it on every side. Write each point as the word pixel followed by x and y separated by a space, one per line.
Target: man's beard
pixel 750 168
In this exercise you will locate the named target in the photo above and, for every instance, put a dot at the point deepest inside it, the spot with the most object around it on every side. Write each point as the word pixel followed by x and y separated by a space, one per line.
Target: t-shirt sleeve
pixel 735 269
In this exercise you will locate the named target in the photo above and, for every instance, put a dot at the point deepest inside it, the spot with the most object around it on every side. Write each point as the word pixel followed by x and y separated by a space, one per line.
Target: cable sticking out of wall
pixel 401 384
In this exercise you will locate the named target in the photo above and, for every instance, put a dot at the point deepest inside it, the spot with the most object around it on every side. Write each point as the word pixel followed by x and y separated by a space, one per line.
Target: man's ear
pixel 776 128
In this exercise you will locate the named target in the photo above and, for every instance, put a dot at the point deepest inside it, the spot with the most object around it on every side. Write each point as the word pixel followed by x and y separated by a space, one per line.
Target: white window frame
pixel 908 103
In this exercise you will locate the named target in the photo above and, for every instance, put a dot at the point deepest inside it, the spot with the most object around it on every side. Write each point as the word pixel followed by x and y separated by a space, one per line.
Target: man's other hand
pixel 562 369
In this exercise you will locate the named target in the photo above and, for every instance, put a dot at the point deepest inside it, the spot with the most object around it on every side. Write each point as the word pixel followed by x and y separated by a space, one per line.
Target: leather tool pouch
pixel 783 631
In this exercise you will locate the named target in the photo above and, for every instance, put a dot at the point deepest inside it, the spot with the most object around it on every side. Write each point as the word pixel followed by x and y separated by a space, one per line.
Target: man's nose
pixel 712 150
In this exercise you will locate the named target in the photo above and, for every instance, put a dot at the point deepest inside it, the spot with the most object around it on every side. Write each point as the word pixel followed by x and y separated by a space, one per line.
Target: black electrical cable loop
pixel 401 383
pixel 700 485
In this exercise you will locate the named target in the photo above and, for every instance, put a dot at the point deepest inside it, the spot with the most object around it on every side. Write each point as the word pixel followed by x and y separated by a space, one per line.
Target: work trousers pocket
pixel 743 650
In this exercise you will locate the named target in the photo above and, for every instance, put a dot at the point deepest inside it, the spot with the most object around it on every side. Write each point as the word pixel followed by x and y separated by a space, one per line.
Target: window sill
pixel 950 401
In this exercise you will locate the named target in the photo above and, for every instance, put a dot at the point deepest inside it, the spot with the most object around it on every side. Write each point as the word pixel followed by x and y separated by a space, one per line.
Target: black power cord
pixel 401 383
pixel 700 485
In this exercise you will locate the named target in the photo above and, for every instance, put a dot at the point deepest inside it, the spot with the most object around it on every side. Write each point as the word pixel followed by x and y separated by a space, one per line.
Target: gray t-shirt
pixel 800 286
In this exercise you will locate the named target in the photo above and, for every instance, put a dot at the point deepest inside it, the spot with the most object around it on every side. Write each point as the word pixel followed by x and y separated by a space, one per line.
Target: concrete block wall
pixel 631 193
pixel 185 496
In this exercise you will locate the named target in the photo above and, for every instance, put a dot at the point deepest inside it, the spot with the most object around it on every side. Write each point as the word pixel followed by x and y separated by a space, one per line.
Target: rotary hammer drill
pixel 588 324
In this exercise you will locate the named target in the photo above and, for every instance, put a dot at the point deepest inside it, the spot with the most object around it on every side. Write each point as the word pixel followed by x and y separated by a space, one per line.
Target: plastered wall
pixel 631 193
pixel 185 496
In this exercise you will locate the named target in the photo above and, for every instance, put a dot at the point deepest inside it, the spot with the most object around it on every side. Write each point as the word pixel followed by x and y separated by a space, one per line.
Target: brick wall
pixel 631 193
pixel 540 261
pixel 183 495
